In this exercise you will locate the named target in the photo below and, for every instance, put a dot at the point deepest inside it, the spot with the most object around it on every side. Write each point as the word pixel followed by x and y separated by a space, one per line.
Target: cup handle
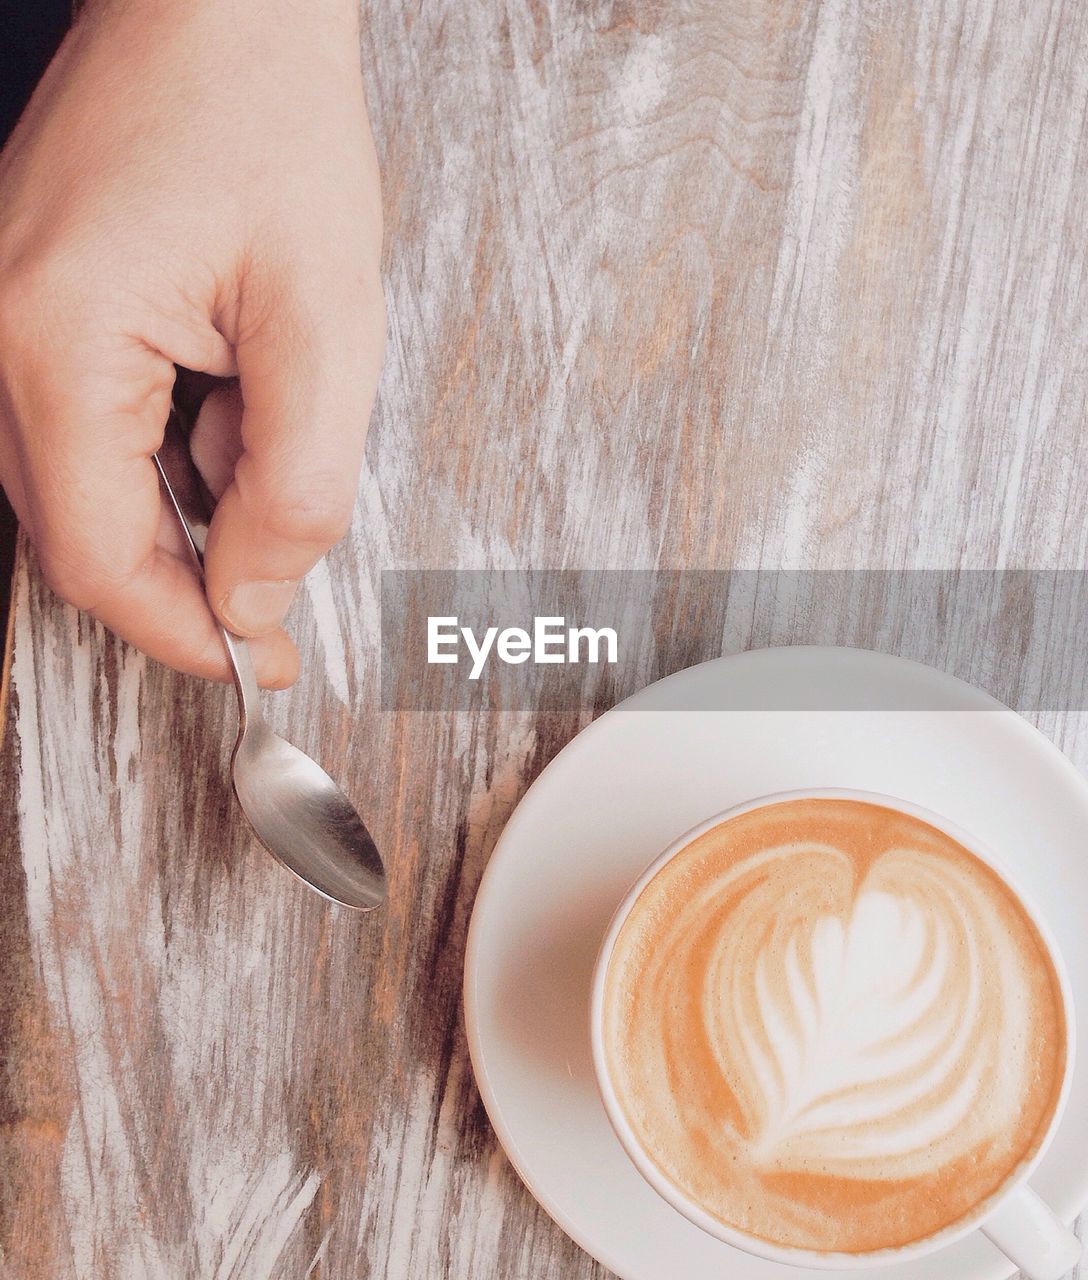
pixel 1031 1234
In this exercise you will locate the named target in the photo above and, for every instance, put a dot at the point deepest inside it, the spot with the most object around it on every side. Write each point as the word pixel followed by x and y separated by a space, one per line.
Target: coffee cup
pixel 829 1031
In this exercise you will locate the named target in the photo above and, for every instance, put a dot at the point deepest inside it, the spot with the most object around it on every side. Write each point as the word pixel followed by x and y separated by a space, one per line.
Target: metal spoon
pixel 298 813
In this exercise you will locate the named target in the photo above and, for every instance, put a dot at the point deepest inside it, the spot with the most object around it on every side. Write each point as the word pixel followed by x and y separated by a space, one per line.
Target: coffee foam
pixel 832 1026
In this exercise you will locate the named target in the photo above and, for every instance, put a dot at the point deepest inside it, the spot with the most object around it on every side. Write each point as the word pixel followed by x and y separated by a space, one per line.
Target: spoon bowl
pixel 304 820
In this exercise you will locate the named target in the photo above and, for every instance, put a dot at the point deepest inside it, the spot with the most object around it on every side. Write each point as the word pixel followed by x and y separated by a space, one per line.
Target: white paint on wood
pixel 327 623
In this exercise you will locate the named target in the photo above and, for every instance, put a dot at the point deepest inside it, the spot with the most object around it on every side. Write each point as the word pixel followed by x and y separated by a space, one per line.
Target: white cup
pixel 1022 1226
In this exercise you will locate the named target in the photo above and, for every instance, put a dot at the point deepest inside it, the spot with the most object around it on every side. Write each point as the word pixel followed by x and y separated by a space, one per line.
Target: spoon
pixel 296 810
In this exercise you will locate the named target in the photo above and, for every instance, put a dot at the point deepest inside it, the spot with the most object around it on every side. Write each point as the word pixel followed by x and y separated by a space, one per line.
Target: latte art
pixel 864 1037
pixel 832 1026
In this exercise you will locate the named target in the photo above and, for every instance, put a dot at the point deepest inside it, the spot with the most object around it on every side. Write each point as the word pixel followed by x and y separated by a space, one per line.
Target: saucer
pixel 646 771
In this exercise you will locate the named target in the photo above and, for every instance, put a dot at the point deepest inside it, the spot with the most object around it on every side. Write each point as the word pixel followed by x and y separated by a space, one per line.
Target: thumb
pixel 307 374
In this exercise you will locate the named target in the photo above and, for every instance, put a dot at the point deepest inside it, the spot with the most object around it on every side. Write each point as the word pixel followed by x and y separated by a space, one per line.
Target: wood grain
pixel 682 285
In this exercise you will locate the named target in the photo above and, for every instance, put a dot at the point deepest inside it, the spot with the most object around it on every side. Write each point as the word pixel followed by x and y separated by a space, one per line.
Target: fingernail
pixel 254 608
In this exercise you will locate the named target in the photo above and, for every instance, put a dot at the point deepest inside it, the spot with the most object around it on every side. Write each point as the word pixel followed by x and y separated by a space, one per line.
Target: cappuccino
pixel 833 1027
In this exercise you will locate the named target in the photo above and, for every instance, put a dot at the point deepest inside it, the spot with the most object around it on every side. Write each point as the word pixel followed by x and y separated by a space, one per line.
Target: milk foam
pixel 858 1015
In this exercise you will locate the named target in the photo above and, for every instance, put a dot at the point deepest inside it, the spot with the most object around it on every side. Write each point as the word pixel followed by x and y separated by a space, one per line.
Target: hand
pixel 193 183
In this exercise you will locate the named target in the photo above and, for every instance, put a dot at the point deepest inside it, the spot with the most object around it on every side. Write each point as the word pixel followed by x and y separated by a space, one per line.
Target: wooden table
pixel 688 284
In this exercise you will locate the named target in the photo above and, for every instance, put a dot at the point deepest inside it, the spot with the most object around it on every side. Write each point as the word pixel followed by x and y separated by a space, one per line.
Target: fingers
pixel 162 610
pixel 308 366
pixel 216 438
pixel 79 472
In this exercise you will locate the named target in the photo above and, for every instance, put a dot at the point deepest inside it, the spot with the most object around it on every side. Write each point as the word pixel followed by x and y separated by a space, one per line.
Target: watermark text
pixel 549 640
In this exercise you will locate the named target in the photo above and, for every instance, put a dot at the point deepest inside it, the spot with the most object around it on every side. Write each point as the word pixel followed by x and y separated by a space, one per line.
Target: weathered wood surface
pixel 686 284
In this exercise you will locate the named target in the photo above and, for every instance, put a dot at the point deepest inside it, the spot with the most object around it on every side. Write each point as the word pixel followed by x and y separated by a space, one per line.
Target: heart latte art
pixel 832 1026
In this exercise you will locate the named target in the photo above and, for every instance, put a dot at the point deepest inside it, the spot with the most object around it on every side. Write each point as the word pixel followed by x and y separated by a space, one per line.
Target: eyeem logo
pixel 550 640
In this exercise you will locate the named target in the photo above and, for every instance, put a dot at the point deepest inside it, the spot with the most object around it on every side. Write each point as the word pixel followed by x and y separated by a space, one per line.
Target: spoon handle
pixel 193 506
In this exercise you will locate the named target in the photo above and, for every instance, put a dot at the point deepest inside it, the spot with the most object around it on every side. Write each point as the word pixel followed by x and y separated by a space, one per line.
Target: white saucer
pixel 642 774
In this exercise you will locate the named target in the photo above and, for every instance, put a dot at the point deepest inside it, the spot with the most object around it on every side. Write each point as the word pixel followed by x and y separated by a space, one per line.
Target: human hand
pixel 193 183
